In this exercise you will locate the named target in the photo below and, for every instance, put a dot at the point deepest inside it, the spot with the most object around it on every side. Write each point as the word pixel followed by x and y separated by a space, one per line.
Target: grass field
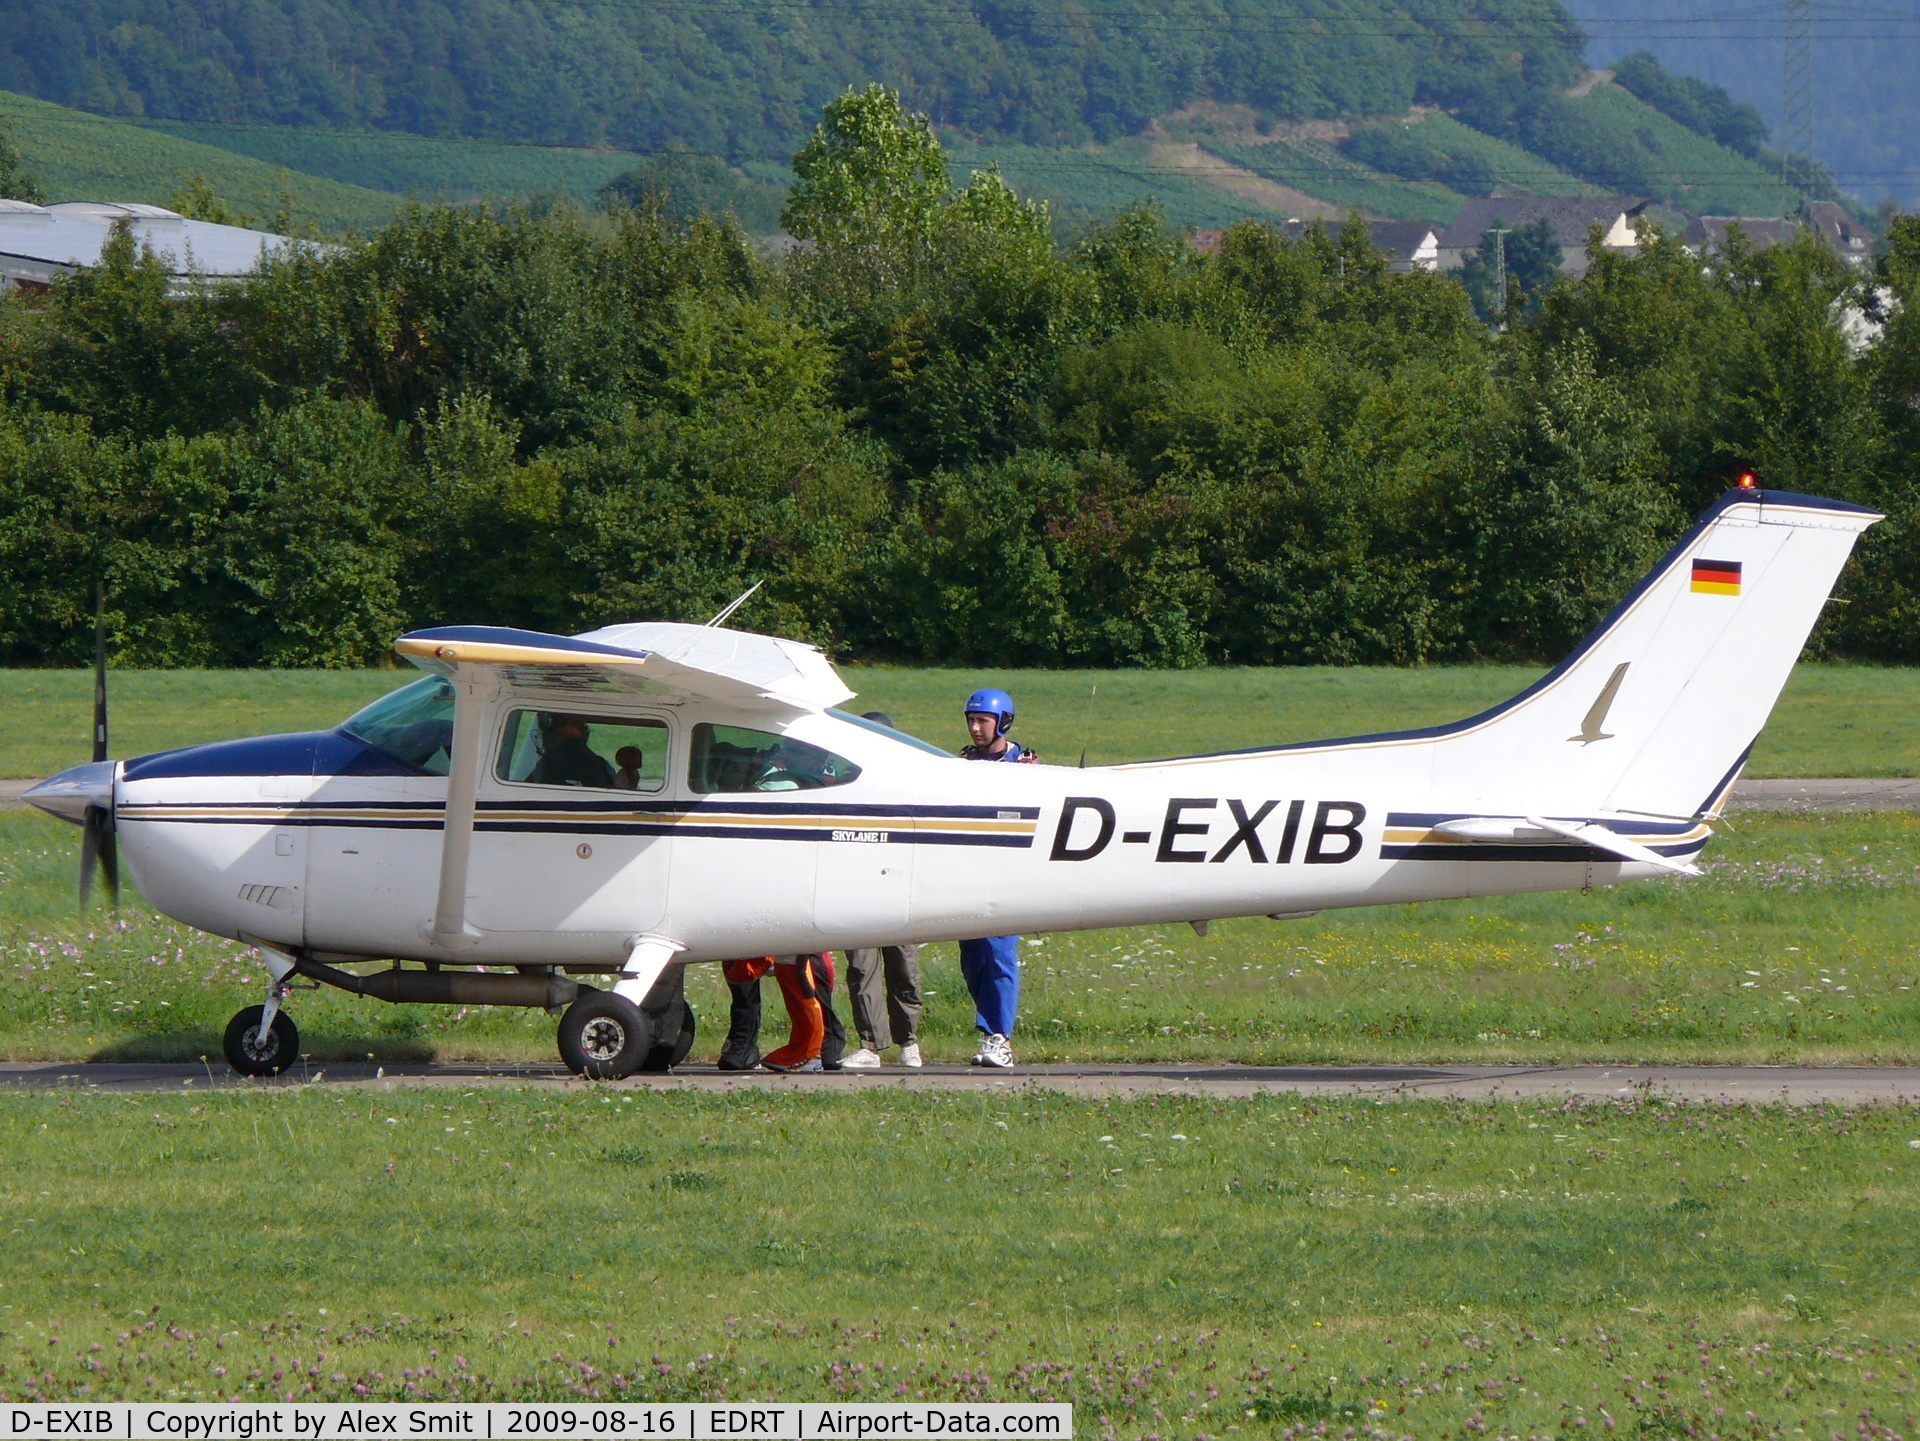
pixel 1834 720
pixel 81 156
pixel 1174 1267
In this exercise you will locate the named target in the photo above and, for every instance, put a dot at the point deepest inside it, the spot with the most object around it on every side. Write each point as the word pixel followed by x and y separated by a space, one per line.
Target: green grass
pixel 1833 720
pixel 1318 168
pixel 1173 1266
pixel 82 156
pixel 1797 946
pixel 420 166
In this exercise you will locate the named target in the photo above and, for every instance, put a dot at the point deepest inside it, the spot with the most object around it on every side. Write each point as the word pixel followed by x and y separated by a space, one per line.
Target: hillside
pixel 1627 145
pixel 747 79
pixel 78 156
pixel 1220 109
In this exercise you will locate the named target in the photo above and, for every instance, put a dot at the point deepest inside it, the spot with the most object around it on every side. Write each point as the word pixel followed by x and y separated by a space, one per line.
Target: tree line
pixel 937 432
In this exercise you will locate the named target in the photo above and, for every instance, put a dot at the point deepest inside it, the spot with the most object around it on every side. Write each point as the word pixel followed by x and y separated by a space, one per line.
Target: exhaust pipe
pixel 451 988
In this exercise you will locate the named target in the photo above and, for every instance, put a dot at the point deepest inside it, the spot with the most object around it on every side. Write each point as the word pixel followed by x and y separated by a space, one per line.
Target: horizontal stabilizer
pixel 1600 838
pixel 1540 830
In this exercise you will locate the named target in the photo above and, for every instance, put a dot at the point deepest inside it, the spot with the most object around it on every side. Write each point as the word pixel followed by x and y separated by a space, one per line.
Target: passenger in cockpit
pixel 629 759
pixel 565 757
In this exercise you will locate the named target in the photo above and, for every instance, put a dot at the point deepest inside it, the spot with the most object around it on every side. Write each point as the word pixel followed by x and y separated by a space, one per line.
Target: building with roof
pixel 40 243
pixel 1842 234
pixel 1845 236
pixel 1707 234
pixel 1618 217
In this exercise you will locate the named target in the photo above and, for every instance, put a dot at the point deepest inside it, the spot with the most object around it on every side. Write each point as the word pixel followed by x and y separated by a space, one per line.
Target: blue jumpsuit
pixel 991 965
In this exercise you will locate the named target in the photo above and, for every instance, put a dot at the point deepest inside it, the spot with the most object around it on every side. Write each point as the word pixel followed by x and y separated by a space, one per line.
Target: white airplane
pixel 540 808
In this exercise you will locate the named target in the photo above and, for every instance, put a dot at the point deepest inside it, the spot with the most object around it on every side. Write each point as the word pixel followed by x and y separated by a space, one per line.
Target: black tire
pixel 683 1047
pixel 251 1055
pixel 663 1058
pixel 604 1037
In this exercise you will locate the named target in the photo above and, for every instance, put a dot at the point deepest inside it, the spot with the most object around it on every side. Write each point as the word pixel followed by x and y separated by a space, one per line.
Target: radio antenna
pixel 738 601
pixel 1086 724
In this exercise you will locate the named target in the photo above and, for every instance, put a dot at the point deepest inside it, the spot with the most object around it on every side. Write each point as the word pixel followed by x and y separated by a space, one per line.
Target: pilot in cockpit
pixel 565 757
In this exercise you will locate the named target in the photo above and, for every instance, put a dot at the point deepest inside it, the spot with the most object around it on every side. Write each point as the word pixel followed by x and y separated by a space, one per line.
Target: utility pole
pixel 1500 270
pixel 1796 98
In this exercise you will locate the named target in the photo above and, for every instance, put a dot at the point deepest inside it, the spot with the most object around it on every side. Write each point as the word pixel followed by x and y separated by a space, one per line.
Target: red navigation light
pixel 1747 482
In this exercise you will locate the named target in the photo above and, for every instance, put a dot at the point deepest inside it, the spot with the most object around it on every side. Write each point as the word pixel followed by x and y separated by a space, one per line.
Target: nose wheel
pixel 256 1050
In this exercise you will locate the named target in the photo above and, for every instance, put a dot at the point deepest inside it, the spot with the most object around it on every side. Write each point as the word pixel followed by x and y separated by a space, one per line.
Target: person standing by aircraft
pixel 898 968
pixel 991 964
pixel 815 1037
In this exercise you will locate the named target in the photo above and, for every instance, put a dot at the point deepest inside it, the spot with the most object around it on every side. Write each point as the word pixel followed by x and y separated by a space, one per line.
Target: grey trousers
pixel 899 968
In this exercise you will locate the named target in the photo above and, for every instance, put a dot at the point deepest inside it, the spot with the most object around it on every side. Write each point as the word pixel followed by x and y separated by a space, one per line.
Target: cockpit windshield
pixel 413 724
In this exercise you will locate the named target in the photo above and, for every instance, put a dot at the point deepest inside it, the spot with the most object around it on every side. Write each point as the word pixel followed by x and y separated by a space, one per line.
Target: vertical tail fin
pixel 1657 710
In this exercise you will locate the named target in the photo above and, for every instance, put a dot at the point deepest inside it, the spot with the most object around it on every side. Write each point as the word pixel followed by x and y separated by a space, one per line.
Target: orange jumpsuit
pixel 806 983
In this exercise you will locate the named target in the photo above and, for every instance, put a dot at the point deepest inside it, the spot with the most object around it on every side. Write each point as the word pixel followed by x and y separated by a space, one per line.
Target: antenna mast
pixel 1796 100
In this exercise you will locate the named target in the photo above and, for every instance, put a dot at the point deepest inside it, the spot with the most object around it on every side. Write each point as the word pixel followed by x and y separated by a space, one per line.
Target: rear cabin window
pixel 596 753
pixel 731 758
pixel 413 724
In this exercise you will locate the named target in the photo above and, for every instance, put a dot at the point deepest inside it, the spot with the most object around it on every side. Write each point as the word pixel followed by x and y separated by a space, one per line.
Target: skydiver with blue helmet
pixel 991 965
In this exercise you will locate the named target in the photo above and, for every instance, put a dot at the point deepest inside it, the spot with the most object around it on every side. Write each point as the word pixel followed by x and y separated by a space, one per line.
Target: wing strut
pixel 472 689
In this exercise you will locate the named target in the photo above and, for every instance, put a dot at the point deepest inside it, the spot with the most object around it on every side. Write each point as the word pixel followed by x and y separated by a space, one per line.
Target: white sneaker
pixel 861 1060
pixel 910 1055
pixel 995 1053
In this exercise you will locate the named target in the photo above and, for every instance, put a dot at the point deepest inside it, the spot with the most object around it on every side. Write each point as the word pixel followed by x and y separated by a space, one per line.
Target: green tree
pixel 135 349
pixel 1531 256
pixel 196 200
pixel 870 175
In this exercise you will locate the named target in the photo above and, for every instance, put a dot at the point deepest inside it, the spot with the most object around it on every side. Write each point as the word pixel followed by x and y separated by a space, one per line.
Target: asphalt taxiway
pixel 1793 1085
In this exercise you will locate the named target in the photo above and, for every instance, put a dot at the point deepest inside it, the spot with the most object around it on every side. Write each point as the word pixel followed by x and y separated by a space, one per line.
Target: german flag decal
pixel 1717 577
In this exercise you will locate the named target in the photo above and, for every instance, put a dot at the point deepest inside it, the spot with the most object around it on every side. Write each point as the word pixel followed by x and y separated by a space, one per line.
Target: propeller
pixel 98 845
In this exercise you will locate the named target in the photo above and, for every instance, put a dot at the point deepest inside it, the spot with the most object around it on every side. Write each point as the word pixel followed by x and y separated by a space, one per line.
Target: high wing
pixel 755 672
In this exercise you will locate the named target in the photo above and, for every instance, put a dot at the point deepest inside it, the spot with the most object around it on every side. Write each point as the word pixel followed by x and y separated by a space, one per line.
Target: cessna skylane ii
pixel 537 809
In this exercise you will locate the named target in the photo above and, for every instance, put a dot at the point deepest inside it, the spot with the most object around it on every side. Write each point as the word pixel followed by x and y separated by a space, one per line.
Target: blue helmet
pixel 996 703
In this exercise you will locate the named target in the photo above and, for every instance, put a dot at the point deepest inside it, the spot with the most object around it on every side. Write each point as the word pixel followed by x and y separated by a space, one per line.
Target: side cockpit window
pixel 732 758
pixel 413 724
pixel 602 753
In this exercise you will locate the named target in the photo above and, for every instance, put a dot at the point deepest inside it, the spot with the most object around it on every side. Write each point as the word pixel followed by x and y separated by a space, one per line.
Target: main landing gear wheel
pixel 604 1037
pixel 663 1058
pixel 253 1054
